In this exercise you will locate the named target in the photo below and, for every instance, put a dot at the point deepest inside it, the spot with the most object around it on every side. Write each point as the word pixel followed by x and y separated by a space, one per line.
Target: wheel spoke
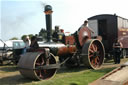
pixel 47 62
pixel 93 47
pixel 40 74
pixel 90 55
pixel 98 58
pixel 92 61
pixel 90 50
pixel 42 63
pixel 95 61
pixel 37 64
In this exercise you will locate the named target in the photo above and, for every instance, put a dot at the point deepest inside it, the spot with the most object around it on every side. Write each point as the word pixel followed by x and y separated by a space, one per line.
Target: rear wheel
pixel 93 53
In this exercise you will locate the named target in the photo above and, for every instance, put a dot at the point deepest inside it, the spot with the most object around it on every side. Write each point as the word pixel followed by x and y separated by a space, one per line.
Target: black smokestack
pixel 48 15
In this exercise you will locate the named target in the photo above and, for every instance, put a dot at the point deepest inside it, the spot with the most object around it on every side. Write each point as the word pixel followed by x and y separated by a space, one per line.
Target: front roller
pixel 36 65
pixel 93 53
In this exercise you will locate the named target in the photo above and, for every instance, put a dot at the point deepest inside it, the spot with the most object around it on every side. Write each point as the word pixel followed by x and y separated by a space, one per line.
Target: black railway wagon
pixel 110 27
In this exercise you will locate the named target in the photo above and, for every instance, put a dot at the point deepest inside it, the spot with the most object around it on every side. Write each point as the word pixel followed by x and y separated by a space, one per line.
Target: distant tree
pixel 14 38
pixel 36 35
pixel 23 37
pixel 43 33
pixel 30 35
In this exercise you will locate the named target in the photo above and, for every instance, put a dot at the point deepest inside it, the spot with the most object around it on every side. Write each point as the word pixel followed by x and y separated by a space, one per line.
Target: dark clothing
pixel 58 36
pixel 34 46
pixel 117 53
pixel 55 36
pixel 117 57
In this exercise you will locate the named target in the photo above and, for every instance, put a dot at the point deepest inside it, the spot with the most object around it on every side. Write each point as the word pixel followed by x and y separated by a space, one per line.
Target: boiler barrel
pixel 59 49
pixel 66 50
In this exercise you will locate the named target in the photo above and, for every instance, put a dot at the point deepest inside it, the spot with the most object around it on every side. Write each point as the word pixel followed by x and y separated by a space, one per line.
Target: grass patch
pixel 73 77
pixel 64 76
pixel 8 68
pixel 9 75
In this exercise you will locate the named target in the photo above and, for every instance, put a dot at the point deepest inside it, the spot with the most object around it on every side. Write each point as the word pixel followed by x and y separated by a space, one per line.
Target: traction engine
pixel 75 50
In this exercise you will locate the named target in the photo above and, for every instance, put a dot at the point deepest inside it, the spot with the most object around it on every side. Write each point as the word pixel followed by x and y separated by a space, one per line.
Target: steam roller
pixel 73 50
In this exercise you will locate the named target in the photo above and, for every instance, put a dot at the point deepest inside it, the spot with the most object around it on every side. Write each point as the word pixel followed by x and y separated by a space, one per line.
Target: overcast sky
pixel 19 17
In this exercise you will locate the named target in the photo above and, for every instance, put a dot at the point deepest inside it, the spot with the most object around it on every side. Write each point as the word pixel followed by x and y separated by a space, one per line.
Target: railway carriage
pixel 110 28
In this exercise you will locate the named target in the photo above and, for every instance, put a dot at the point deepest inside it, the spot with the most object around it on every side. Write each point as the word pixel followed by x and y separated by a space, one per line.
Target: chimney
pixel 48 15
